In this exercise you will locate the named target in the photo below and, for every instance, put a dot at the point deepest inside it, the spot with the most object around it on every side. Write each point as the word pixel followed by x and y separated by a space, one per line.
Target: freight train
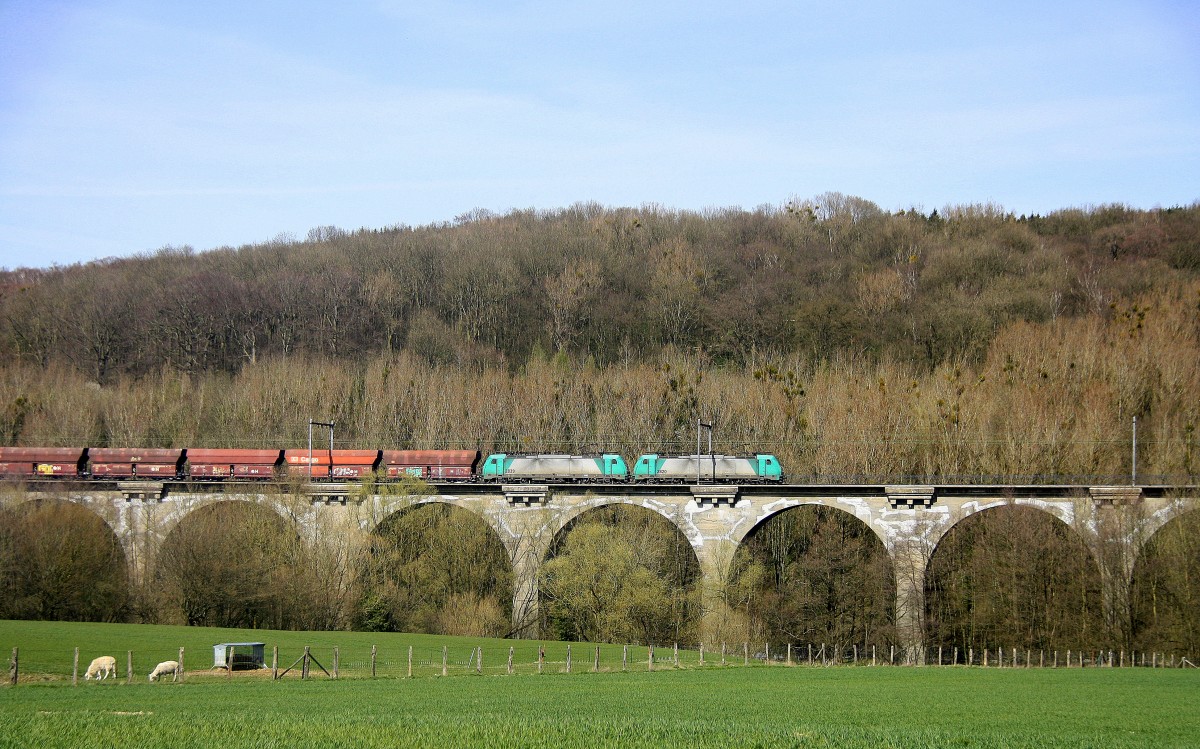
pixel 178 464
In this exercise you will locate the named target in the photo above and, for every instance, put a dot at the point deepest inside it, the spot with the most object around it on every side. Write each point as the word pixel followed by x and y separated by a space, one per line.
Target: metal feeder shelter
pixel 243 655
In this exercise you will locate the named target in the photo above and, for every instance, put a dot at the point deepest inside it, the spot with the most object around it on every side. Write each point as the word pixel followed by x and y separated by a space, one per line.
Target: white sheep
pixel 164 668
pixel 101 667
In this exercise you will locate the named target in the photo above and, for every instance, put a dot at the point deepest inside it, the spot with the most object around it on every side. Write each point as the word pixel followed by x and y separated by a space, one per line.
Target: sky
pixel 128 126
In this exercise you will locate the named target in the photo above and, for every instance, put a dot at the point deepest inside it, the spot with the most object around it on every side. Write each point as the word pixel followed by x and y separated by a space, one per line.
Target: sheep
pixel 101 667
pixel 164 668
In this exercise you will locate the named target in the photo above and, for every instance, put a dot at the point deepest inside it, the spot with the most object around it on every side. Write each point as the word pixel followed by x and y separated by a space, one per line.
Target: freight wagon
pixel 63 462
pixel 204 463
pixel 127 463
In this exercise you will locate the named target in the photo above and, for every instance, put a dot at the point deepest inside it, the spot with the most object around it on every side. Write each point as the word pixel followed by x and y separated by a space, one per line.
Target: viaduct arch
pixel 909 520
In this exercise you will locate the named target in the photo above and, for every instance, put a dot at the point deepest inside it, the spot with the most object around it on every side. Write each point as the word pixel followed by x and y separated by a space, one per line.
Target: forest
pixel 959 345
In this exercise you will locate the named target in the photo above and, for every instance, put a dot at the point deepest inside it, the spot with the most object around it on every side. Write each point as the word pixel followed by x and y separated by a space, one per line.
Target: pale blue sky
pixel 126 126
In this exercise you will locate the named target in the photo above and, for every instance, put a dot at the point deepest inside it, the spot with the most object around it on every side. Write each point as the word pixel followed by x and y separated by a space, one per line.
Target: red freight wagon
pixel 223 463
pixel 338 464
pixel 66 462
pixel 432 465
pixel 123 463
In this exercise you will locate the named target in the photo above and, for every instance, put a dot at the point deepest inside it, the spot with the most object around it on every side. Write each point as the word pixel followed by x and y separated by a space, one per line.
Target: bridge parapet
pixel 526 494
pixel 330 494
pixel 910 496
pixel 715 494
pixel 1115 495
pixel 143 491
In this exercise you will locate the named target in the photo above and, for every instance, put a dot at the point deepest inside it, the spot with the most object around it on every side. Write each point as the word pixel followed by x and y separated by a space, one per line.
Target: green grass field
pixel 734 706
pixel 46 650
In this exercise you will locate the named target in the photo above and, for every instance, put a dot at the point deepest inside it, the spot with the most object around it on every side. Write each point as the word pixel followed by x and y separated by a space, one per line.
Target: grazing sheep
pixel 164 668
pixel 101 667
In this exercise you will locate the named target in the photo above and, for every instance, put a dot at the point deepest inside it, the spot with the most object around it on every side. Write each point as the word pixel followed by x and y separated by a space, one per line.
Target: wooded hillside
pixel 850 340
pixel 820 278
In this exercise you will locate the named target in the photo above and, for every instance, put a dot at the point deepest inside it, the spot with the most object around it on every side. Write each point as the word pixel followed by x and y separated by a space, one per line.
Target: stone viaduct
pixel 909 520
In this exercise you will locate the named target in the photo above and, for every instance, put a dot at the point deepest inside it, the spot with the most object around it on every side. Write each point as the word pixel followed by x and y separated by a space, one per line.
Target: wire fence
pixel 424 661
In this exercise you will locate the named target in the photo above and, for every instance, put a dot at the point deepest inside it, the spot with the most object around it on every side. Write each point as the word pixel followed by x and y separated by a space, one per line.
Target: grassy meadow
pixel 696 707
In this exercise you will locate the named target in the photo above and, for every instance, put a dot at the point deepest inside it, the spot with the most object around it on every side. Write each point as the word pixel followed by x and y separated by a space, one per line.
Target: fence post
pixel 745 654
pixel 541 657
pixel 701 652
pixel 445 655
pixel 275 663
pixel 596 666
pixel 336 660
pixel 676 655
pixel 229 662
pixel 75 670
pixel 410 661
pixel 722 652
pixel 510 655
pixel 479 661
pixel 568 657
pixel 304 665
pixel 179 674
pixel 12 668
pixel 650 657
pixel 373 651
pixel 128 666
pixel 789 655
pixel 625 658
